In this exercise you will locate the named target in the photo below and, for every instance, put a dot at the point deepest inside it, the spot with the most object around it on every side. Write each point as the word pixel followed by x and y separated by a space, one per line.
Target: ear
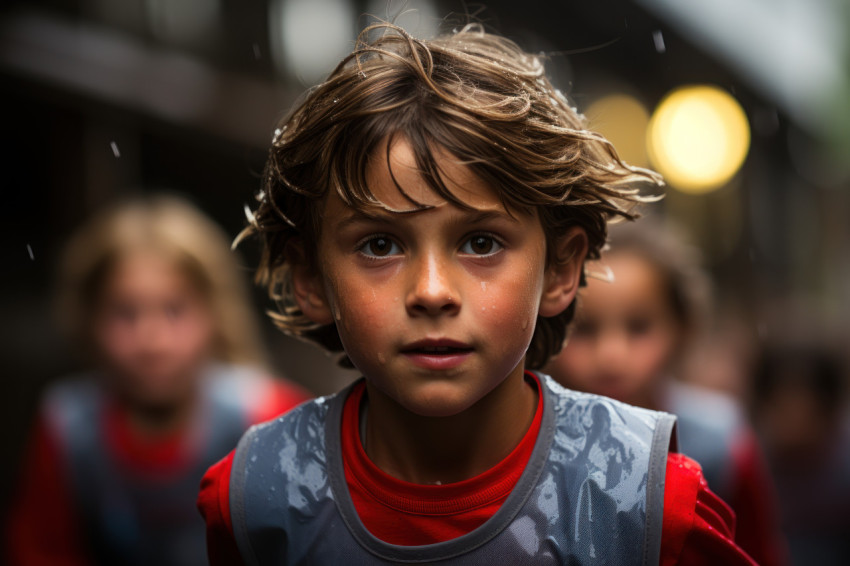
pixel 564 274
pixel 307 286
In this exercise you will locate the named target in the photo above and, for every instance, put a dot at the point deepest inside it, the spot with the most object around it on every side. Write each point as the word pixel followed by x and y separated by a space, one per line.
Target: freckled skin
pixel 626 335
pixel 431 289
pixel 152 331
pixel 437 308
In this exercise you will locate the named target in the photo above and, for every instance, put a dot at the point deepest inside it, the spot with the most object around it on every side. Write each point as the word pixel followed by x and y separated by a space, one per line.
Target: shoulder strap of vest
pixel 663 440
pixel 251 457
pixel 237 497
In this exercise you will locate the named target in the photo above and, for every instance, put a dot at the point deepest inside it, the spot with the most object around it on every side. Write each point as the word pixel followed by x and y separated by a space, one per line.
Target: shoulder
pixel 213 499
pixel 253 391
pixel 705 409
pixel 295 436
pixel 576 410
pixel 698 527
pixel 70 405
pixel 214 506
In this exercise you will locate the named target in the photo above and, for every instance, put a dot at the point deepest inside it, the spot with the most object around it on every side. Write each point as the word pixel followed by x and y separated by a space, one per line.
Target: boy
pixel 428 209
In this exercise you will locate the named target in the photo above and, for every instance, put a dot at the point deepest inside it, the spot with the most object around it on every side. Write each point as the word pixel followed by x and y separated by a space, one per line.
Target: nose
pixel 431 290
pixel 612 348
pixel 152 328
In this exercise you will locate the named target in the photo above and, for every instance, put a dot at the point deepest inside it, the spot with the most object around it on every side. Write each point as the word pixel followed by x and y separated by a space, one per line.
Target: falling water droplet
pixel 658 40
pixel 256 48
pixel 115 151
pixel 29 249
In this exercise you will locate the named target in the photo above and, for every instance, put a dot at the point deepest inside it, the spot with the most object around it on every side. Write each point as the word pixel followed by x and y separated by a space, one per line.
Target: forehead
pixel 636 282
pixel 393 175
pixel 145 270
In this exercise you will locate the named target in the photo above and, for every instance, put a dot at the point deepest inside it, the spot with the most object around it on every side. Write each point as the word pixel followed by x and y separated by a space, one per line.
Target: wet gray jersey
pixel 591 493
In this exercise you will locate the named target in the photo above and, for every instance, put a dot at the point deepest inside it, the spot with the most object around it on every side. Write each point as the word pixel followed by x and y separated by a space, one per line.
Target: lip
pixel 437 354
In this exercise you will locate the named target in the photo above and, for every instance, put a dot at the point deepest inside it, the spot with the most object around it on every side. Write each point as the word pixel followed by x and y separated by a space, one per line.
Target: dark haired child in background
pixel 428 209
pixel 628 342
pixel 154 296
pixel 799 406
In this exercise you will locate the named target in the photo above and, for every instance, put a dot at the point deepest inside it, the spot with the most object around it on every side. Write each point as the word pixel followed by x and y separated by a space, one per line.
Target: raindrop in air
pixel 658 40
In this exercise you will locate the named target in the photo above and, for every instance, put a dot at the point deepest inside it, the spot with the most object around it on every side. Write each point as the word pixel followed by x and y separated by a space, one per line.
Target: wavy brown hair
pixel 473 94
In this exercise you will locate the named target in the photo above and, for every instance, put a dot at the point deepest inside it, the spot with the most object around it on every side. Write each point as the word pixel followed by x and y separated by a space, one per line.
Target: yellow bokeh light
pixel 623 120
pixel 698 138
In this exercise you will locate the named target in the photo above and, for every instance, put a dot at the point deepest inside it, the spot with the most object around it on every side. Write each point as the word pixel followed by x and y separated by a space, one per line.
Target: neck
pixel 431 450
pixel 154 421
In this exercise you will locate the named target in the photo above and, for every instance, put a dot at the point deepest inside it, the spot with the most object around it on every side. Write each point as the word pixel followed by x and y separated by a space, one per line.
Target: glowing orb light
pixel 698 138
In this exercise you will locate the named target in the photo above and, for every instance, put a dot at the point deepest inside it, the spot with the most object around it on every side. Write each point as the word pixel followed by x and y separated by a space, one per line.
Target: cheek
pixel 193 334
pixel 508 306
pixel 364 317
pixel 113 338
pixel 654 352
pixel 575 363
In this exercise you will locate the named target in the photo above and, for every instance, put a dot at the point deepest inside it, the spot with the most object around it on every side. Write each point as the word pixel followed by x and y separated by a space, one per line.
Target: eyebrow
pixel 467 217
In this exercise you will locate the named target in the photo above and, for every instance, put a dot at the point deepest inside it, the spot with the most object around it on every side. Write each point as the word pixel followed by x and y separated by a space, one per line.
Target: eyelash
pixel 361 245
pixel 498 243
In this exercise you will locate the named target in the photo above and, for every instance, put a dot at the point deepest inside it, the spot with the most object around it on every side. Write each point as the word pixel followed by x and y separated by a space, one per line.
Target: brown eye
pixel 379 246
pixel 481 245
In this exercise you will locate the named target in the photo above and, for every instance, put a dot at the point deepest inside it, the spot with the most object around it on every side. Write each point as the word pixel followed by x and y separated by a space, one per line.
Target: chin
pixel 439 401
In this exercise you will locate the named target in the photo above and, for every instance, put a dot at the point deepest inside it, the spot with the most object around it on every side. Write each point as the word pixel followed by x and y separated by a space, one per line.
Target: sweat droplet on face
pixel 382 358
pixel 483 285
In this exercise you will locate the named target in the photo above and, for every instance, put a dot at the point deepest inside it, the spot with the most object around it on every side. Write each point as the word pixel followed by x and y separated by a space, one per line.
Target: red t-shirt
pixel 698 528
pixel 42 527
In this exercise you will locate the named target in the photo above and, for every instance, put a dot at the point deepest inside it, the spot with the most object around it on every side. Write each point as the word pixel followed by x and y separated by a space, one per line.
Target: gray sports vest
pixel 133 519
pixel 592 492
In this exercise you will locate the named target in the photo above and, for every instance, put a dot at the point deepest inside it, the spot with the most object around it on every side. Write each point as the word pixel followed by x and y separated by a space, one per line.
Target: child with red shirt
pixel 630 339
pixel 152 292
pixel 429 209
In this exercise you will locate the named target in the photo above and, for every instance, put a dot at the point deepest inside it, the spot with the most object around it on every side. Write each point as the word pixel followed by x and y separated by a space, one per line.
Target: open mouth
pixel 438 350
pixel 437 347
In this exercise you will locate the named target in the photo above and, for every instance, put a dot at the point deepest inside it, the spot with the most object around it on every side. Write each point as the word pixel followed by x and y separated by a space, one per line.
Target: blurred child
pixel 799 404
pixel 428 209
pixel 630 336
pixel 154 297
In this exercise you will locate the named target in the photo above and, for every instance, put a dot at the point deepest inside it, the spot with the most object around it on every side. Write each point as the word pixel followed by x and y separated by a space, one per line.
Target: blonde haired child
pixel 151 294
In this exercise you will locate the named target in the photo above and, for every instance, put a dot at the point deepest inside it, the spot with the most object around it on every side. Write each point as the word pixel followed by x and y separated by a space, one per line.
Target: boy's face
pixel 152 329
pixel 436 307
pixel 625 335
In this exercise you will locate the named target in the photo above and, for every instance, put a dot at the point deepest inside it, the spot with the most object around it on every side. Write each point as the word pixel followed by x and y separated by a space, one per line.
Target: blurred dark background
pixel 104 98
